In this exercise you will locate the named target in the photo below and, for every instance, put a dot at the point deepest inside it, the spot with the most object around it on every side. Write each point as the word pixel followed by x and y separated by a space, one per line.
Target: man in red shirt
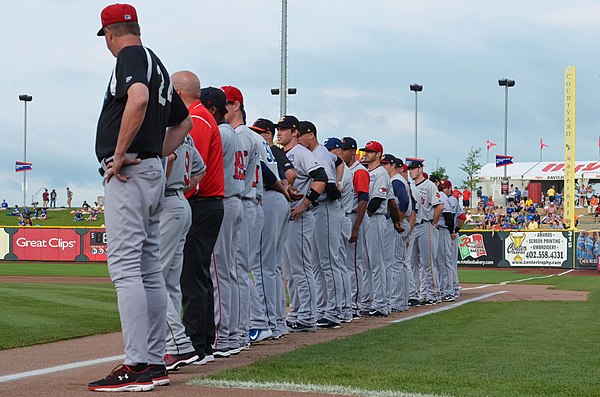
pixel 206 201
pixel 466 199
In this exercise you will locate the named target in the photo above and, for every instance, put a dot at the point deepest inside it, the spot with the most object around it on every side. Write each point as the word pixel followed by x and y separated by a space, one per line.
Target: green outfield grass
pixel 56 217
pixel 40 313
pixel 53 269
pixel 478 349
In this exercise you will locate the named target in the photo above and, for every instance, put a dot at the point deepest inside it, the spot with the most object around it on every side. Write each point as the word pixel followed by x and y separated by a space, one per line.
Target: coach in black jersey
pixel 142 119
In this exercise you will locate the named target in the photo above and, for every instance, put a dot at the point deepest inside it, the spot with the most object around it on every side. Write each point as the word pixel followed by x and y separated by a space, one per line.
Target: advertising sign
pixel 4 243
pixel 587 250
pixel 45 244
pixel 538 249
pixel 482 249
pixel 95 245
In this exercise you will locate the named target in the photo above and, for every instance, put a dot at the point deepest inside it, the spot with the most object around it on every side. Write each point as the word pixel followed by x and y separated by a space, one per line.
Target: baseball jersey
pixel 393 181
pixel 187 163
pixel 233 160
pixel 427 197
pixel 347 198
pixel 283 162
pixel 456 208
pixel 327 160
pixel 137 64
pixel 447 209
pixel 360 180
pixel 251 152
pixel 207 139
pixel 304 161
pixel 266 157
pixel 378 187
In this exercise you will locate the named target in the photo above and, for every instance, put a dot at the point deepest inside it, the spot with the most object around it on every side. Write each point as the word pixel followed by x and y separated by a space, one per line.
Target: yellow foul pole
pixel 569 191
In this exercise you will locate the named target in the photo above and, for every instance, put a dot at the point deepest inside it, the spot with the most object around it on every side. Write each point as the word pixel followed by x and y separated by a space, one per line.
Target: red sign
pixel 46 244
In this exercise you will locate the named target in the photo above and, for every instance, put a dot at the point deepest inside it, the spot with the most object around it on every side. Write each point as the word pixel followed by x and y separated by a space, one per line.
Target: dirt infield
pixel 72 382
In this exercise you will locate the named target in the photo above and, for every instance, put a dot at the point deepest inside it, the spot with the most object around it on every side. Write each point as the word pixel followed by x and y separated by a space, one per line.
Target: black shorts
pixel 466 203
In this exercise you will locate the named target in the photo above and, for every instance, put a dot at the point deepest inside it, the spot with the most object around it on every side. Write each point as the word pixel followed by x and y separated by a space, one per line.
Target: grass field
pixel 479 349
pixel 53 269
pixel 56 217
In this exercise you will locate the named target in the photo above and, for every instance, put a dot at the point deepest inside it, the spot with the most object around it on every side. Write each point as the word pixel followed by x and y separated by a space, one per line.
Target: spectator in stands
pixel 593 204
pixel 45 198
pixel 466 195
pixel 44 214
pixel 582 195
pixel 85 206
pixel 526 193
pixel 53 199
pixel 532 225
pixel 479 192
pixel 4 205
pixel 551 193
pixel 78 216
pixel 517 194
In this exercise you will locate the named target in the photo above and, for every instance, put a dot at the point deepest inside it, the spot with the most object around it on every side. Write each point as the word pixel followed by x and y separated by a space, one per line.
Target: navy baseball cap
pixel 388 159
pixel 332 143
pixel 349 143
pixel 263 125
pixel 305 127
pixel 213 96
pixel 434 178
pixel 415 164
pixel 288 122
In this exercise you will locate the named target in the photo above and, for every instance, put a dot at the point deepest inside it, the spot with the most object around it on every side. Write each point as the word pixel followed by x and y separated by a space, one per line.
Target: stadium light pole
pixel 416 88
pixel 283 89
pixel 506 83
pixel 25 98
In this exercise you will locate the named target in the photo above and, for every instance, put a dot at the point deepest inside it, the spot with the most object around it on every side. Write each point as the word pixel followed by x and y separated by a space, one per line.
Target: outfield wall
pixel 476 248
pixel 558 249
pixel 53 244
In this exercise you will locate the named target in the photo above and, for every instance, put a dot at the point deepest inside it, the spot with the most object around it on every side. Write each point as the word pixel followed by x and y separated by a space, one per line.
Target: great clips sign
pixel 46 244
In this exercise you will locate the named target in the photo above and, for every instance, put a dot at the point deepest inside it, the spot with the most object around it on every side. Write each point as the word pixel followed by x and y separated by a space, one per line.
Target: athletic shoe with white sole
pixel 174 361
pixel 222 352
pixel 327 324
pixel 299 327
pixel 160 377
pixel 256 335
pixel 123 378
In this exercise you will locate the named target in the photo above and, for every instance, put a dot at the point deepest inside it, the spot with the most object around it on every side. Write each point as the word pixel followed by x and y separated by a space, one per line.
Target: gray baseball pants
pixel 267 268
pixel 132 212
pixel 356 258
pixel 329 215
pixel 346 266
pixel 175 221
pixel 443 261
pixel 424 240
pixel 258 317
pixel 298 254
pixel 243 269
pixel 223 272
pixel 454 259
pixel 392 267
pixel 376 260
pixel 400 294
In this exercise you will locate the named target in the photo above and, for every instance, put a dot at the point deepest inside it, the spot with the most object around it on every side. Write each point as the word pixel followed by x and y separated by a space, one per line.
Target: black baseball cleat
pixel 299 327
pixel 327 324
pixel 174 361
pixel 123 378
pixel 159 375
pixel 428 302
pixel 448 298
pixel 377 313
pixel 414 303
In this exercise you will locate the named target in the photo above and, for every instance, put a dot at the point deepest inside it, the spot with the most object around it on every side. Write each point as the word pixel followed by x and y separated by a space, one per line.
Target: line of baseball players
pixel 350 238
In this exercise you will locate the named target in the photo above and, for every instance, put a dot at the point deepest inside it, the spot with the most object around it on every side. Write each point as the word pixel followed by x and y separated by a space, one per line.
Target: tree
pixel 471 167
pixel 440 172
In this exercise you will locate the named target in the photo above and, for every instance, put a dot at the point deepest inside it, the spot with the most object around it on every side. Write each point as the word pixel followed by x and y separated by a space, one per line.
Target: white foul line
pixel 536 278
pixel 45 371
pixel 448 307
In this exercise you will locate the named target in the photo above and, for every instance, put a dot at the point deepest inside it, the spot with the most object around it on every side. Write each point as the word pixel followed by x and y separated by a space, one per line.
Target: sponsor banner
pixel 4 243
pixel 481 248
pixel 36 244
pixel 538 249
pixel 95 245
pixel 569 147
pixel 587 250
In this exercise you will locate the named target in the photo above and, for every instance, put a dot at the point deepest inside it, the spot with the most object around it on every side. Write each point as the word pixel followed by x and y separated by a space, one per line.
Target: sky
pixel 351 61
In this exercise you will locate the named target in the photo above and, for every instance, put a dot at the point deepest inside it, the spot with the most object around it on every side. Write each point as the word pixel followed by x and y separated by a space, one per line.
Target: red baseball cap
pixel 446 184
pixel 373 146
pixel 117 13
pixel 233 94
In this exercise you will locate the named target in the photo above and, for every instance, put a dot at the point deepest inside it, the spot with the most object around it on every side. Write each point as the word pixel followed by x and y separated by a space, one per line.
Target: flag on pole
pixel 542 144
pixel 503 161
pixel 490 144
pixel 22 166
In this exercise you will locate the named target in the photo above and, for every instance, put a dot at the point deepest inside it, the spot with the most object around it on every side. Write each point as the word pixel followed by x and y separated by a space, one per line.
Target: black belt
pixel 171 192
pixel 213 198
pixel 423 221
pixel 146 155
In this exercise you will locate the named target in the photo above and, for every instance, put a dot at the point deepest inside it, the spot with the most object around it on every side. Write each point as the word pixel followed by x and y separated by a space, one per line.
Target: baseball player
pixel 310 181
pixel 185 169
pixel 250 222
pixel 223 268
pixel 334 145
pixel 398 290
pixel 445 231
pixel 375 235
pixel 357 252
pixel 141 119
pixel 451 259
pixel 424 236
pixel 330 216
pixel 268 277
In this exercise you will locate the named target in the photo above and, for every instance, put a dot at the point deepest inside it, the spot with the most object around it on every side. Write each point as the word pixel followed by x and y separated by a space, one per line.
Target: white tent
pixel 546 172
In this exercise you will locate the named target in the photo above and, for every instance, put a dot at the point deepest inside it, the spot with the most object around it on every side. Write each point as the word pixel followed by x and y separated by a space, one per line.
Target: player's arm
pixel 175 135
pixel 170 160
pixel 437 213
pixel 131 122
pixel 319 177
pixel 339 171
pixel 395 215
